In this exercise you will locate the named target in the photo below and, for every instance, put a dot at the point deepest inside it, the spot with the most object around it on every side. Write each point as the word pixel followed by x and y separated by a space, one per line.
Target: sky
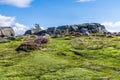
pixel 21 15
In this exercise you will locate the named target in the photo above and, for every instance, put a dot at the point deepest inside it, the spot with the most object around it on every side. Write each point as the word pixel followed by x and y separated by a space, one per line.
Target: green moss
pixel 95 58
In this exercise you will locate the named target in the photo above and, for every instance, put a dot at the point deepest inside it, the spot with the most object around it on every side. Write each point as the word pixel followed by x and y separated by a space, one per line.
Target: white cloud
pixel 6 21
pixel 10 21
pixel 19 28
pixel 85 0
pixel 112 26
pixel 17 3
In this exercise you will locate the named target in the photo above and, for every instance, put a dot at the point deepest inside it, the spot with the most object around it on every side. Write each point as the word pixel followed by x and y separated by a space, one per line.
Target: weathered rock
pixel 67 28
pixel 109 35
pixel 85 31
pixel 40 33
pixel 31 32
pixel 2 40
pixel 63 53
pixel 85 28
pixel 79 40
pixel 6 32
pixel 28 32
pixel 93 27
pixel 51 30
pixel 11 38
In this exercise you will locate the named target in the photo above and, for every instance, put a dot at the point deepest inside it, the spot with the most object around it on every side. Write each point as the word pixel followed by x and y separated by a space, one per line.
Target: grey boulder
pixel 6 32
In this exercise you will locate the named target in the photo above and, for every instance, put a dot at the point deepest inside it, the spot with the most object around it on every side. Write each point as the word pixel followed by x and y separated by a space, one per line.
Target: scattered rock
pixel 79 40
pixel 63 53
pixel 109 35
pixel 2 40
pixel 11 38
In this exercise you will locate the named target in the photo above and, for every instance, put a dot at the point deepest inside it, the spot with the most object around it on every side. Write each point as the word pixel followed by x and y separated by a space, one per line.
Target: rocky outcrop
pixel 83 28
pixel 6 32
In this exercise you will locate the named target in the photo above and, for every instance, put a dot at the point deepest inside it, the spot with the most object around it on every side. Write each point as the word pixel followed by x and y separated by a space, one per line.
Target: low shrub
pixel 41 40
pixel 33 45
pixel 29 46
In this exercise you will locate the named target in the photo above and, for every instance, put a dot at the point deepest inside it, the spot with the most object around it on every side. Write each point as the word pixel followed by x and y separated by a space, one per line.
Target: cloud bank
pixel 10 21
pixel 112 26
pixel 85 0
pixel 6 21
pixel 17 3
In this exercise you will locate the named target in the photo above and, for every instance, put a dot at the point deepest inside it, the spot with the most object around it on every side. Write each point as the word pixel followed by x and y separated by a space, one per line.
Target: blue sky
pixel 23 14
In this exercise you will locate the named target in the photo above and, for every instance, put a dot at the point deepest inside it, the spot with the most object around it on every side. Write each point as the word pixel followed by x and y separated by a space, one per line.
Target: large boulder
pixel 93 27
pixel 51 30
pixel 84 31
pixel 28 32
pixel 39 33
pixel 73 28
pixel 6 32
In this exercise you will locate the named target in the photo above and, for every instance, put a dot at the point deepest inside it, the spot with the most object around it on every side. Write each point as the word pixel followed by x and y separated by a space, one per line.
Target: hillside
pixel 66 58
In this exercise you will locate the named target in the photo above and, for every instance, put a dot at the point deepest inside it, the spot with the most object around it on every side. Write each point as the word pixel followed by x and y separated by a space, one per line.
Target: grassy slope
pixel 94 59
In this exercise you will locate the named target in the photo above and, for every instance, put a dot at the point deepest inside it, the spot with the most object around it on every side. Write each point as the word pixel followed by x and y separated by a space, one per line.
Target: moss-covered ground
pixel 66 58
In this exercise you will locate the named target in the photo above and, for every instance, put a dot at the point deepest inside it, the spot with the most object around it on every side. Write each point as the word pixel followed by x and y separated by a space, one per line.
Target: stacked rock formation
pixel 82 28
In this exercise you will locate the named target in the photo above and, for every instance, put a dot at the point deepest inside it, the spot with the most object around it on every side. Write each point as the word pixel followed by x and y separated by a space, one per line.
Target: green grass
pixel 68 58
